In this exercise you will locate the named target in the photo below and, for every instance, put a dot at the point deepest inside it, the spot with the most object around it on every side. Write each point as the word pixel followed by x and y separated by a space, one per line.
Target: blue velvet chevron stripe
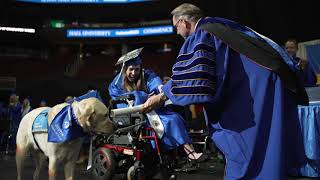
pixel 199 47
pixel 194 63
pixel 194 70
pixel 193 90
pixel 193 75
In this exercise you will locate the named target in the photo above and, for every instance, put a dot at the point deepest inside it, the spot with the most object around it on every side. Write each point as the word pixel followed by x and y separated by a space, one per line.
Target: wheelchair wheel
pixel 103 164
pixel 131 173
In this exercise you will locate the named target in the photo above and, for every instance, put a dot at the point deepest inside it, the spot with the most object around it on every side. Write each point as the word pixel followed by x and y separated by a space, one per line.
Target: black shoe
pixel 202 158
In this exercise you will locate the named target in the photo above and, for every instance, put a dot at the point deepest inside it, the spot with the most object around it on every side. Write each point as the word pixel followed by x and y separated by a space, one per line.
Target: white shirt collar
pixel 195 27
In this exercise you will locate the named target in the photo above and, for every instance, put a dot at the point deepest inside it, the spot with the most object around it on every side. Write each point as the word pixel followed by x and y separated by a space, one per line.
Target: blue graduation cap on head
pixel 131 58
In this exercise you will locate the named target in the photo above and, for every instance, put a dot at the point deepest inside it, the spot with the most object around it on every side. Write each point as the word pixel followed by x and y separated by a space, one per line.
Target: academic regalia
pixel 65 126
pixel 175 132
pixel 251 114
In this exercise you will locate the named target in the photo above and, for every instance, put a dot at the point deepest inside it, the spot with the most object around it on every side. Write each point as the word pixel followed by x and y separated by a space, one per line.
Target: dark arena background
pixel 52 49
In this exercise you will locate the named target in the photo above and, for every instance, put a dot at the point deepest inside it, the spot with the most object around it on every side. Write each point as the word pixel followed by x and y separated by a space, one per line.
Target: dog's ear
pixel 87 110
pixel 88 123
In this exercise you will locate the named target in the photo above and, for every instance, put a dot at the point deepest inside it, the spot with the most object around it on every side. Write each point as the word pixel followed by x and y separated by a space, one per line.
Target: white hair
pixel 188 12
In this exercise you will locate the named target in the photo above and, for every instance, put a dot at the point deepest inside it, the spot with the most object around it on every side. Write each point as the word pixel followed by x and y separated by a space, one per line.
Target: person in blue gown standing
pixel 249 89
pixel 133 79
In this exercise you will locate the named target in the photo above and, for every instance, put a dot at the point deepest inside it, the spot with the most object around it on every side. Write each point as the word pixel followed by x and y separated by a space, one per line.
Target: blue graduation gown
pixel 252 118
pixel 175 133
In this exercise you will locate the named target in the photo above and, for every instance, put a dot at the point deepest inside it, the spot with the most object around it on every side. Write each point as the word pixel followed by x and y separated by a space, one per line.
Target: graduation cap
pixel 131 58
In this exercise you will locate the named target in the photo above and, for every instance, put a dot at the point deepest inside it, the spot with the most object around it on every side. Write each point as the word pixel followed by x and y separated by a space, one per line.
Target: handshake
pixel 153 102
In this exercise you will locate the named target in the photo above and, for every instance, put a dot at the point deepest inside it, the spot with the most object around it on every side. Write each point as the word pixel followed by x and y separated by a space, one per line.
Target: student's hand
pixel 153 103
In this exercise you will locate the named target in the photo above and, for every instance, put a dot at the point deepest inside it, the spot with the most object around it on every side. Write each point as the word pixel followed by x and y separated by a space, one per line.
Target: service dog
pixel 91 116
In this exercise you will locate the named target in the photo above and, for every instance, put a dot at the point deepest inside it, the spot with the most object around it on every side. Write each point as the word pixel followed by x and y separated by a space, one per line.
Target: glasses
pixel 177 23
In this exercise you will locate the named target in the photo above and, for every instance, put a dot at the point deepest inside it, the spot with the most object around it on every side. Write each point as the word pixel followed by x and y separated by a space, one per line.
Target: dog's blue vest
pixel 64 127
pixel 40 124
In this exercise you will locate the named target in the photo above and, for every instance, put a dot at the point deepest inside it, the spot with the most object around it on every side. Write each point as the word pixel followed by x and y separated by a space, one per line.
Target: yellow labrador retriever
pixel 91 116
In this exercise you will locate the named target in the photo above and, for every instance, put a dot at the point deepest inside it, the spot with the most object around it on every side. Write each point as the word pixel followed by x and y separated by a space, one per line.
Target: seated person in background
pixel 307 76
pixel 142 83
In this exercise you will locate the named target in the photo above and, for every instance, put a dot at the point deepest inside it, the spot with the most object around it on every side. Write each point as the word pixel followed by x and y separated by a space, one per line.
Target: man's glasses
pixel 176 24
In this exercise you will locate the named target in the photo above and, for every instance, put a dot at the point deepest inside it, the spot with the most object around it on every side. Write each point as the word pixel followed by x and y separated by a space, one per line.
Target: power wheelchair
pixel 133 149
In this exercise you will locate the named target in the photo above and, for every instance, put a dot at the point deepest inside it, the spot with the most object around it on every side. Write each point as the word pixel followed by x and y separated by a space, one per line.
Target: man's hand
pixel 303 63
pixel 153 102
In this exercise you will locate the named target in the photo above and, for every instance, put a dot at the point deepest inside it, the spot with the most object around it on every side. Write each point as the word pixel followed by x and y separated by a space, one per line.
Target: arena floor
pixel 211 170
